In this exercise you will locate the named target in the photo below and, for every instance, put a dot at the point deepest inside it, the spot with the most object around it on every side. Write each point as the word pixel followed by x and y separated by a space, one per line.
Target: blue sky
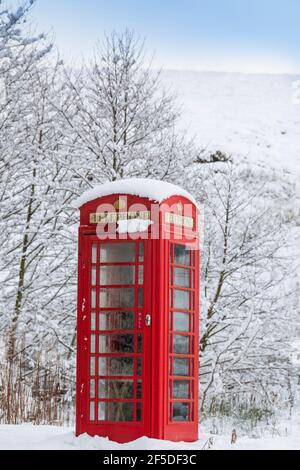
pixel 238 35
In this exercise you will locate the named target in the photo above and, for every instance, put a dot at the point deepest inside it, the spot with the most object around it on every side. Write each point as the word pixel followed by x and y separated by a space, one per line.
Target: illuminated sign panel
pixel 113 217
pixel 181 220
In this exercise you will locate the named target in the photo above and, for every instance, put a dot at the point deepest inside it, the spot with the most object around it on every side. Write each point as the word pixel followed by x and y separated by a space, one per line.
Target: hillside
pixel 242 114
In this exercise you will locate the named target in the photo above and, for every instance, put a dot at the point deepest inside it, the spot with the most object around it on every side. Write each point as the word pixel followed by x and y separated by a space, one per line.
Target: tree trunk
pixel 11 344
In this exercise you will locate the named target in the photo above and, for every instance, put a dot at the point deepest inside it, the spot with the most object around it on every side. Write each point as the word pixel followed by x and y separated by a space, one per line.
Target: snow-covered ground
pixel 28 437
pixel 253 115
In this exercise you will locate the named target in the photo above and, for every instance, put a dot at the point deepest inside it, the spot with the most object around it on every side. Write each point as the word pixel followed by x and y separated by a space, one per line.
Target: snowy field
pixel 253 115
pixel 28 437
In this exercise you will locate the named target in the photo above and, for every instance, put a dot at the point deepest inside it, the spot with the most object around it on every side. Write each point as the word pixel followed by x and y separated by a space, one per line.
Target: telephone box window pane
pixel 141 275
pixel 115 411
pixel 120 411
pixel 93 343
pixel 92 388
pixel 181 299
pixel 116 343
pixel 93 298
pixel 140 343
pixel 94 273
pixel 92 366
pixel 141 252
pixel 180 412
pixel 92 411
pixel 171 253
pixel 139 412
pixel 110 275
pixel 93 321
pixel 101 411
pixel 140 297
pixel 117 298
pixel 116 321
pixel 192 301
pixel 123 366
pixel 123 389
pixel 117 253
pixel 139 389
pixel 181 366
pixel 182 255
pixel 181 321
pixel 182 277
pixel 139 366
pixel 192 258
pixel 181 344
pixel 181 389
pixel 94 253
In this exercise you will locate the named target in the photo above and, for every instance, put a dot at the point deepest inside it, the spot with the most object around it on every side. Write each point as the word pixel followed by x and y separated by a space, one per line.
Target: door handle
pixel 148 320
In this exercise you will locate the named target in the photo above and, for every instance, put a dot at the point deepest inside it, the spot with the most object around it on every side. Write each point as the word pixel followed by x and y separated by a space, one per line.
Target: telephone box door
pixel 116 339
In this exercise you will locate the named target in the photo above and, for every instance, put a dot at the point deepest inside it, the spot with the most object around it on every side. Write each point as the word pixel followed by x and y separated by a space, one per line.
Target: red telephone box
pixel 138 312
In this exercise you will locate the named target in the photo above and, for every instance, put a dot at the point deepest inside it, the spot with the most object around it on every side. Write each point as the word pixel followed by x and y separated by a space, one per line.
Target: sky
pixel 228 35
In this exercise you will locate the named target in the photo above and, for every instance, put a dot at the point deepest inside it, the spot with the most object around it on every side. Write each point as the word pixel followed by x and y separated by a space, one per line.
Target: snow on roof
pixel 152 189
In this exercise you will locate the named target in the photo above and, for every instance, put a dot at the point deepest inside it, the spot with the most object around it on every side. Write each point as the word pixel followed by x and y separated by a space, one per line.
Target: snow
pixel 253 115
pixel 154 190
pixel 29 437
pixel 133 225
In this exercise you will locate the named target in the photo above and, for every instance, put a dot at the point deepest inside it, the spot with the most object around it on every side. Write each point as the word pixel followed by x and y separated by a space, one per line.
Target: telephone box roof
pixel 155 190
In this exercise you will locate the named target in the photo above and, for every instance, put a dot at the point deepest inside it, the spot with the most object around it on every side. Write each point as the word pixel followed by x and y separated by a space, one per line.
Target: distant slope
pixel 242 114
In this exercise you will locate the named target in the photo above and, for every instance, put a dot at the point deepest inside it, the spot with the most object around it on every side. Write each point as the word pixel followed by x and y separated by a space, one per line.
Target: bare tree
pixel 124 122
pixel 244 276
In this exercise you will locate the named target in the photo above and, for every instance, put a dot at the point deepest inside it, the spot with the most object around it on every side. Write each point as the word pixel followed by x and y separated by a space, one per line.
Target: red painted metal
pixel 168 402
